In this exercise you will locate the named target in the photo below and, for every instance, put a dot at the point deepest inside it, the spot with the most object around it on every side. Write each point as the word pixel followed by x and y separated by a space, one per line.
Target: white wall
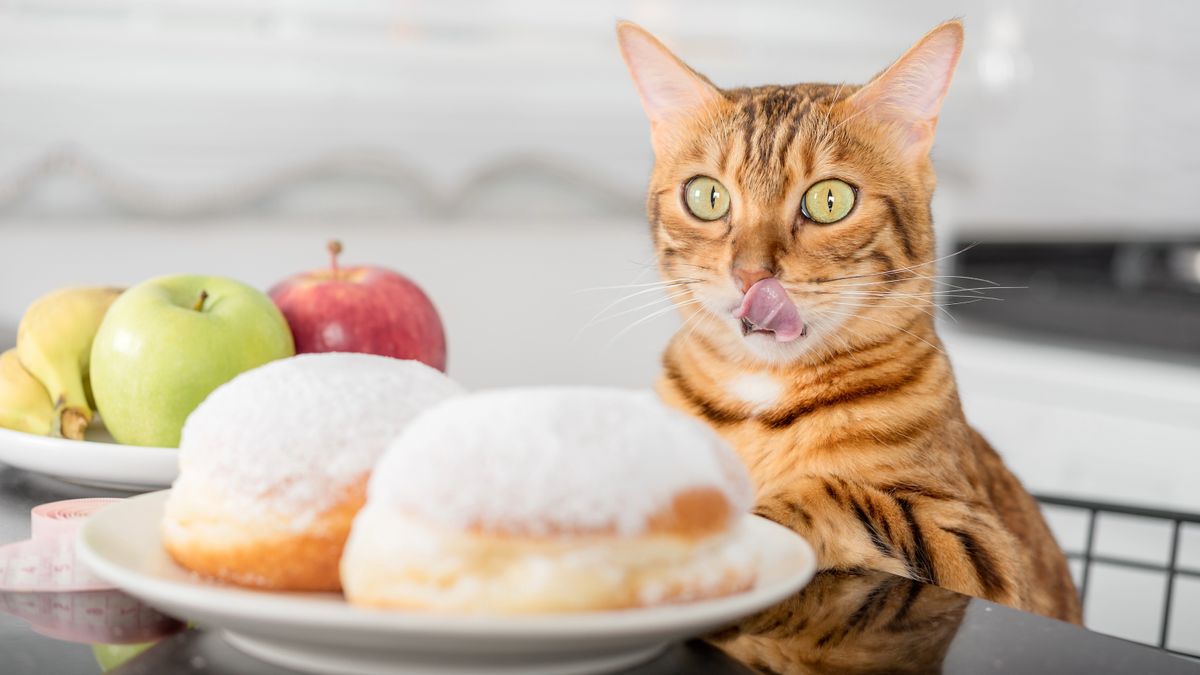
pixel 1063 115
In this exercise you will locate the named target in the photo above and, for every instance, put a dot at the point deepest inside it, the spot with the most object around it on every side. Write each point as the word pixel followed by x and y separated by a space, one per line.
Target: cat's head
pixel 794 220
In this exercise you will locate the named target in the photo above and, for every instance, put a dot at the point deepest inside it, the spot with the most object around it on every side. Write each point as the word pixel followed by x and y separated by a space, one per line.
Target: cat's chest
pixel 743 406
pixel 767 448
pixel 756 391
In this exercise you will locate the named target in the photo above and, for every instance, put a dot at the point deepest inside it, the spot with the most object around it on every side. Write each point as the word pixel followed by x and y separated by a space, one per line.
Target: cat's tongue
pixel 767 307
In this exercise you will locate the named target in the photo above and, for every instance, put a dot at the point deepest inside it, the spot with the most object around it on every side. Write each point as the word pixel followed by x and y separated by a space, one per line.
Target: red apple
pixel 361 309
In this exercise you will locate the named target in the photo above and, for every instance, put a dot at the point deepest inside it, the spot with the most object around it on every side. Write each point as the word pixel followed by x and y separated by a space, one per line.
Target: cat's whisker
pixel 694 326
pixel 848 120
pixel 677 263
pixel 652 285
pixel 899 304
pixel 670 297
pixel 644 267
pixel 960 292
pixel 919 299
pixel 954 295
pixel 850 351
pixel 964 249
pixel 937 279
pixel 630 296
pixel 854 306
pixel 825 131
pixel 950 295
pixel 930 302
pixel 886 290
pixel 938 300
pixel 699 267
pixel 885 323
pixel 940 306
pixel 653 289
pixel 653 315
pixel 668 288
pixel 848 347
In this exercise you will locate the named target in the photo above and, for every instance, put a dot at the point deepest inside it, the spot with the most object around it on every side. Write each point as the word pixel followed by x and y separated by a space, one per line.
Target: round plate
pixel 320 632
pixel 98 461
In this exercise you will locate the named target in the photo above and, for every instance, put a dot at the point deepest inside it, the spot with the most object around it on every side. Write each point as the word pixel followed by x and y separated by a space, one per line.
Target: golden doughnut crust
pixel 630 595
pixel 263 555
pixel 690 550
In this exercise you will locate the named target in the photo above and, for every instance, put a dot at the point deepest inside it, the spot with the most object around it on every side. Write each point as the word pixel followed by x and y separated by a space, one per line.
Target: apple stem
pixel 200 301
pixel 335 248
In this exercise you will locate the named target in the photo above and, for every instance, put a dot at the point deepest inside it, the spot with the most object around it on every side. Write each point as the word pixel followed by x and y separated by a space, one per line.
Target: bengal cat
pixel 792 228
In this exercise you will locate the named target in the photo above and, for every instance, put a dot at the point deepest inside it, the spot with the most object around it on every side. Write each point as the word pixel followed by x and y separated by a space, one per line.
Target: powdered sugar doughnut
pixel 551 499
pixel 273 465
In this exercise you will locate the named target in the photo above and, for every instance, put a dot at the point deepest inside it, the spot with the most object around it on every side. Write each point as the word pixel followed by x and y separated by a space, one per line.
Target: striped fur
pixel 865 449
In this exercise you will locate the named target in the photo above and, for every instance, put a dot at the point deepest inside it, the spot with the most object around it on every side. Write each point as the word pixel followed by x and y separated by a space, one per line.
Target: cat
pixel 792 228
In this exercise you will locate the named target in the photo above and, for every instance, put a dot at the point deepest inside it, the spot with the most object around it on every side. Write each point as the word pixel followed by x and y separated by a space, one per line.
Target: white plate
pixel 320 632
pixel 98 461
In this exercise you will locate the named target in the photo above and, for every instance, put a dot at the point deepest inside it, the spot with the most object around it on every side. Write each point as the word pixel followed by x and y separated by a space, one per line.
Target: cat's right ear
pixel 669 89
pixel 908 95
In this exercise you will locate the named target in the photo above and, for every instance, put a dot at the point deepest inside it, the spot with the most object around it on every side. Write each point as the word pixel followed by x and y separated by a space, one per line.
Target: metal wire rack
pixel 1172 570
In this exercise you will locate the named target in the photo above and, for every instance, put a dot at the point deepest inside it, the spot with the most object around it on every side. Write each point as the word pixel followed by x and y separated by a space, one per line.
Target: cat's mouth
pixel 766 308
pixel 750 329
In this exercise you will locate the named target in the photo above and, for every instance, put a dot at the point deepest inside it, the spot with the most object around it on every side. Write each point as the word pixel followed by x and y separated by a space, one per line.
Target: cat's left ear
pixel 671 92
pixel 909 93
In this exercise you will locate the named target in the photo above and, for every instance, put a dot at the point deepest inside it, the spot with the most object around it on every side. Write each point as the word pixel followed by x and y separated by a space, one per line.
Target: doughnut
pixel 551 500
pixel 273 465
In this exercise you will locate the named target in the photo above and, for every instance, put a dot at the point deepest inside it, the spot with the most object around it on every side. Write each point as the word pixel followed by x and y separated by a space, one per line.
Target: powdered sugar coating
pixel 288 437
pixel 551 459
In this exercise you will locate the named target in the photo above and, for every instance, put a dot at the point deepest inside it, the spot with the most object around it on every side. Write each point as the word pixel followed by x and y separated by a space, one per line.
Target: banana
pixel 25 404
pixel 54 343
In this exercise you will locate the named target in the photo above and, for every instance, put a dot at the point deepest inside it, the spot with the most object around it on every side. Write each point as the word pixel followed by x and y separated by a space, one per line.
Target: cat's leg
pixel 922 535
pixel 971 551
pixel 849 528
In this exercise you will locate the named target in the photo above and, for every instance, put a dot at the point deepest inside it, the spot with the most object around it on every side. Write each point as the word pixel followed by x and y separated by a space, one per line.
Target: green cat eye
pixel 828 201
pixel 706 198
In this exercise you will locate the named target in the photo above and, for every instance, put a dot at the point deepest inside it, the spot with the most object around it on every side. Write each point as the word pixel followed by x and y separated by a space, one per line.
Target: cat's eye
pixel 828 201
pixel 706 198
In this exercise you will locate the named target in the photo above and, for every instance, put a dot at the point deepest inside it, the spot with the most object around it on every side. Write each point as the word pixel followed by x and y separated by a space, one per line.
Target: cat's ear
pixel 909 93
pixel 669 89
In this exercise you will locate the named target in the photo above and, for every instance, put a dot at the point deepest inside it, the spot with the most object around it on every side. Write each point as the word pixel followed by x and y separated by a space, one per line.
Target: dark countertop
pixel 866 622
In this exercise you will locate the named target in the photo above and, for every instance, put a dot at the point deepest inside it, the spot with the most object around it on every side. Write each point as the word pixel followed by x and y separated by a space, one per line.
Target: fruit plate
pixel 320 632
pixel 98 461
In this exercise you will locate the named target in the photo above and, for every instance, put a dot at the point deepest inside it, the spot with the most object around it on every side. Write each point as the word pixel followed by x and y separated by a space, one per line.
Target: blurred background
pixel 496 153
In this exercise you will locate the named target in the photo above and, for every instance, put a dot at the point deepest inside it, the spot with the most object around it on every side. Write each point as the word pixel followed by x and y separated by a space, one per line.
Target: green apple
pixel 111 656
pixel 166 343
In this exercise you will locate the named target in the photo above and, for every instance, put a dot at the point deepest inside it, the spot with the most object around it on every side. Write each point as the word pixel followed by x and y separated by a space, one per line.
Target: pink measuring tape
pixel 106 617
pixel 46 561
pixel 43 583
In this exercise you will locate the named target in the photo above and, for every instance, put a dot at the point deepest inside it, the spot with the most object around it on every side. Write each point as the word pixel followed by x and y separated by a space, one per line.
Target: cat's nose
pixel 748 276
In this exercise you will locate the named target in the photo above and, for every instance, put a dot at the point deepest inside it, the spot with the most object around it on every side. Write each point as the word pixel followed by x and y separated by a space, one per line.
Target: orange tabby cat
pixel 793 227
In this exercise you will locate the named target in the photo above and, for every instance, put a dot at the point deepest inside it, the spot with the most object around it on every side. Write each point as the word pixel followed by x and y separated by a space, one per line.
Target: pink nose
pixel 747 277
